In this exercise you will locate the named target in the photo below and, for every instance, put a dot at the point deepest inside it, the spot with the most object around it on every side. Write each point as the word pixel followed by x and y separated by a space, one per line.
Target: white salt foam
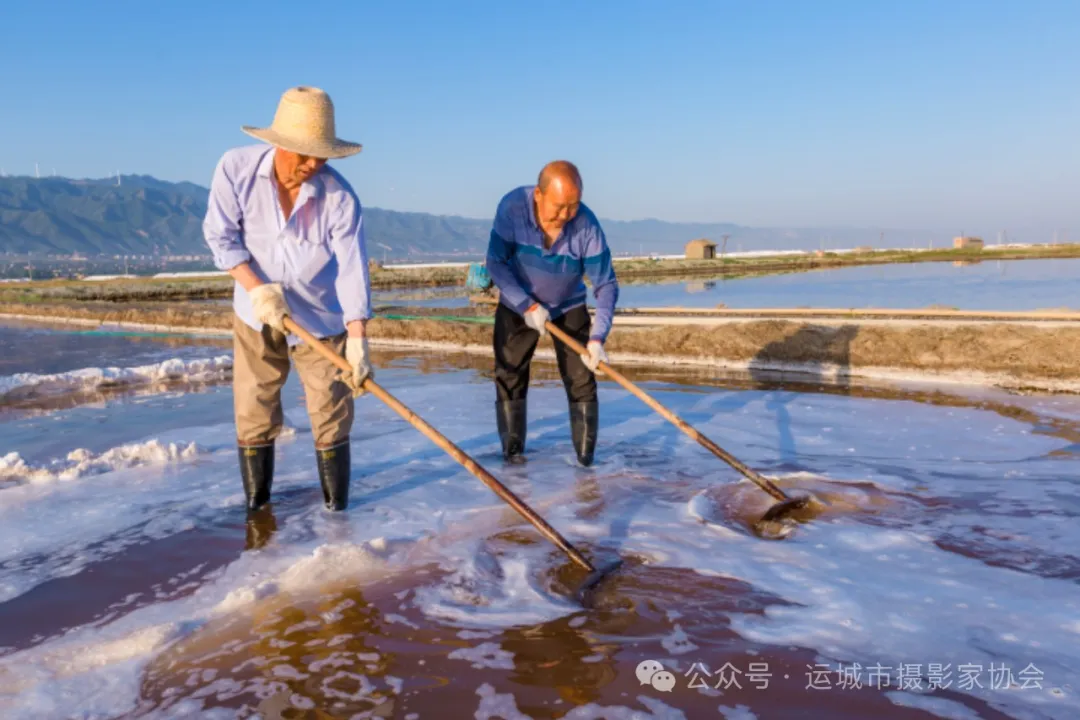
pixel 496 706
pixel 485 655
pixel 82 463
pixel 936 706
pixel 27 385
pixel 678 643
pixel 861 592
pixel 656 710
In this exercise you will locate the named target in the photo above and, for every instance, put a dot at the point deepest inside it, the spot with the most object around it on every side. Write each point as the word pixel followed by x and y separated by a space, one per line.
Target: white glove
pixel 356 354
pixel 268 301
pixel 536 317
pixel 595 355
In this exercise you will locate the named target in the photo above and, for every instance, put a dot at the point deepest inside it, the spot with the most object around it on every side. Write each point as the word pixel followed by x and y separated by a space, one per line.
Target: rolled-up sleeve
pixel 221 226
pixel 601 272
pixel 353 283
pixel 500 250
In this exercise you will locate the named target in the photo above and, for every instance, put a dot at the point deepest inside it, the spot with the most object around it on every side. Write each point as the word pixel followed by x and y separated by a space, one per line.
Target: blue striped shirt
pixel 526 273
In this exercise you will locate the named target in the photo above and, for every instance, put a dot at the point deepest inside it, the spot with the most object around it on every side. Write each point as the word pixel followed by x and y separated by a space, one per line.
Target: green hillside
pixel 143 216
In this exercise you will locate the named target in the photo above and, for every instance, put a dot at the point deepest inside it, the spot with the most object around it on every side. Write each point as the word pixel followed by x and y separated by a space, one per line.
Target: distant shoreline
pixel 1025 354
pixel 1037 352
pixel 196 286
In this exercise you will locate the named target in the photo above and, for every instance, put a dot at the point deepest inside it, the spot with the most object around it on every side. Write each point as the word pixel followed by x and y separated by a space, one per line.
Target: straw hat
pixel 304 124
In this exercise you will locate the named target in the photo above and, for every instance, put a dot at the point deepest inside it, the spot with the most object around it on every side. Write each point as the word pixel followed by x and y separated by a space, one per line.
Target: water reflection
pixel 40 349
pixel 819 351
pixel 968 285
pixel 260 527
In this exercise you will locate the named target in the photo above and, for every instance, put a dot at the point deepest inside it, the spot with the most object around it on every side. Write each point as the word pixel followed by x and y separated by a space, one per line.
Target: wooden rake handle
pixel 439 439
pixel 675 420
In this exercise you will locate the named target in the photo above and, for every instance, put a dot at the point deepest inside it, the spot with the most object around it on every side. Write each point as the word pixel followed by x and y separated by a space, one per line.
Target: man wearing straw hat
pixel 289 229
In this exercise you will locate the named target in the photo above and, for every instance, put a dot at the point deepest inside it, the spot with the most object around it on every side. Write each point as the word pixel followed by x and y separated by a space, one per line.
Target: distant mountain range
pixel 143 215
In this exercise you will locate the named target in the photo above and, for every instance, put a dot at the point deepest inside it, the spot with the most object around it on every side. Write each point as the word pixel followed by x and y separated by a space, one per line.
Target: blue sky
pixel 950 114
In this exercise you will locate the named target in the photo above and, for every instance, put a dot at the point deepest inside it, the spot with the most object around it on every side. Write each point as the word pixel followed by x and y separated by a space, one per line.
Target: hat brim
pixel 335 148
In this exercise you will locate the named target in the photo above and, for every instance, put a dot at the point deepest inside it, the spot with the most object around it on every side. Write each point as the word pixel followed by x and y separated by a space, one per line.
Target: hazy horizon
pixel 1031 234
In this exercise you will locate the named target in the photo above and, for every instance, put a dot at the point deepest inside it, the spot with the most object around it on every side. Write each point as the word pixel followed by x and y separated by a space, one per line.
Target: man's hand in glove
pixel 536 317
pixel 356 354
pixel 268 302
pixel 594 356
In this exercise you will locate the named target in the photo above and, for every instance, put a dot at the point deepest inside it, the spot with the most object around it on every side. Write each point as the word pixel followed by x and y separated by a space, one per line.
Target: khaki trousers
pixel 260 368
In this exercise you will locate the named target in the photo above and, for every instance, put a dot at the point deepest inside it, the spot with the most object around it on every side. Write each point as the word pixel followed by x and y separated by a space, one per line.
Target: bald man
pixel 543 242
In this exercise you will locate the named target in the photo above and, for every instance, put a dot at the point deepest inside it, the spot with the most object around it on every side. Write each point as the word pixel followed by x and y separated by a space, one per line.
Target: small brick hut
pixel 700 250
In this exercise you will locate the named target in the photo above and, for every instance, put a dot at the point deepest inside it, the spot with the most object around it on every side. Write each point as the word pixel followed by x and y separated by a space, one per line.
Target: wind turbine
pixel 385 248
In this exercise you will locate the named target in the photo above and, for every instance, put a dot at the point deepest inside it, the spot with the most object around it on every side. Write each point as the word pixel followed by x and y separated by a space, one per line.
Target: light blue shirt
pixel 318 255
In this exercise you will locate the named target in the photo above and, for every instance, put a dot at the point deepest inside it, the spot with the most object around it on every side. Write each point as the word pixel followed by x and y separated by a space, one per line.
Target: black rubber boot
pixel 257 472
pixel 511 419
pixel 584 418
pixel 335 467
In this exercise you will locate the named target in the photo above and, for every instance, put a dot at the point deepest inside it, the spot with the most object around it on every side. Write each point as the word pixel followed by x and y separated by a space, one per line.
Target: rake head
pixel 779 520
pixel 586 593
